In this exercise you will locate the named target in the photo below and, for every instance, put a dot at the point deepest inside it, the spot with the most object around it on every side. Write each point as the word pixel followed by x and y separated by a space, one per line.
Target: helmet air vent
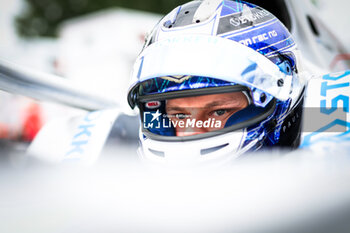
pixel 213 149
pixel 206 10
pixel 157 153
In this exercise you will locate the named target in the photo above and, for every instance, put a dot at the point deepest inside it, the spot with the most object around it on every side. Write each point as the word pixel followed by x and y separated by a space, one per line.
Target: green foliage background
pixel 42 17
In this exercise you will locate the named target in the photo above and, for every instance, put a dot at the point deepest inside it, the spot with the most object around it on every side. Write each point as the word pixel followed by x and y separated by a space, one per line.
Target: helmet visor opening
pixel 194 114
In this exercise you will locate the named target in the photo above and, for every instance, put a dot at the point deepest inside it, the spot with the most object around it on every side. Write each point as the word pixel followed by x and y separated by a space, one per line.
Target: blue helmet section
pixel 229 7
pixel 254 27
pixel 268 131
pixel 179 83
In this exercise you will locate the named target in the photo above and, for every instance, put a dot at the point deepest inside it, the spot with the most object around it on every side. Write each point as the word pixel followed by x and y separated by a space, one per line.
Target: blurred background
pixel 92 42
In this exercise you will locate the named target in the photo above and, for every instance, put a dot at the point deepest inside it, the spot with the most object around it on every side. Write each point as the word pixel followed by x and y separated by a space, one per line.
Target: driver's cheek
pixel 193 127
pixel 189 131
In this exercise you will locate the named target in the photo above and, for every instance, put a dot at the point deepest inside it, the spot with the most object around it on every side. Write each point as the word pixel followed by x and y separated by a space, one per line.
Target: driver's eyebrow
pixel 220 103
pixel 209 105
pixel 175 108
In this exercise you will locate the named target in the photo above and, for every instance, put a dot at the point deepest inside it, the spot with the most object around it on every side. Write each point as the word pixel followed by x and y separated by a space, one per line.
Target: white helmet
pixel 212 50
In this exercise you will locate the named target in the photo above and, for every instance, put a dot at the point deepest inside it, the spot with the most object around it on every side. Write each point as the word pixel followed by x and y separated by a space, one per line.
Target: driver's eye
pixel 219 112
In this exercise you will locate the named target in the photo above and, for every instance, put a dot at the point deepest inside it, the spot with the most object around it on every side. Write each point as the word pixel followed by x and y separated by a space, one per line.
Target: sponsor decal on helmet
pixel 153 104
pixel 177 79
pixel 239 21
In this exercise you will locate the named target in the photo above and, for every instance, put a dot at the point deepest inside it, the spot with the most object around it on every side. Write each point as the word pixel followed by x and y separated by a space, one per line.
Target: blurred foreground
pixel 269 193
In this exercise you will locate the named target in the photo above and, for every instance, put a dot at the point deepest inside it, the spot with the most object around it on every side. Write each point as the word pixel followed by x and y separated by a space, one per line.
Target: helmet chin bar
pixel 218 150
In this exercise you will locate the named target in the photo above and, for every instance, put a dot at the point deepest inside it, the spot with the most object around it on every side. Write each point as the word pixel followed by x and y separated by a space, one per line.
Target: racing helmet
pixel 217 79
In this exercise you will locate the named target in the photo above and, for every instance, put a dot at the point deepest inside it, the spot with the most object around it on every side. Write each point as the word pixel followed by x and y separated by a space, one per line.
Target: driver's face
pixel 219 107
